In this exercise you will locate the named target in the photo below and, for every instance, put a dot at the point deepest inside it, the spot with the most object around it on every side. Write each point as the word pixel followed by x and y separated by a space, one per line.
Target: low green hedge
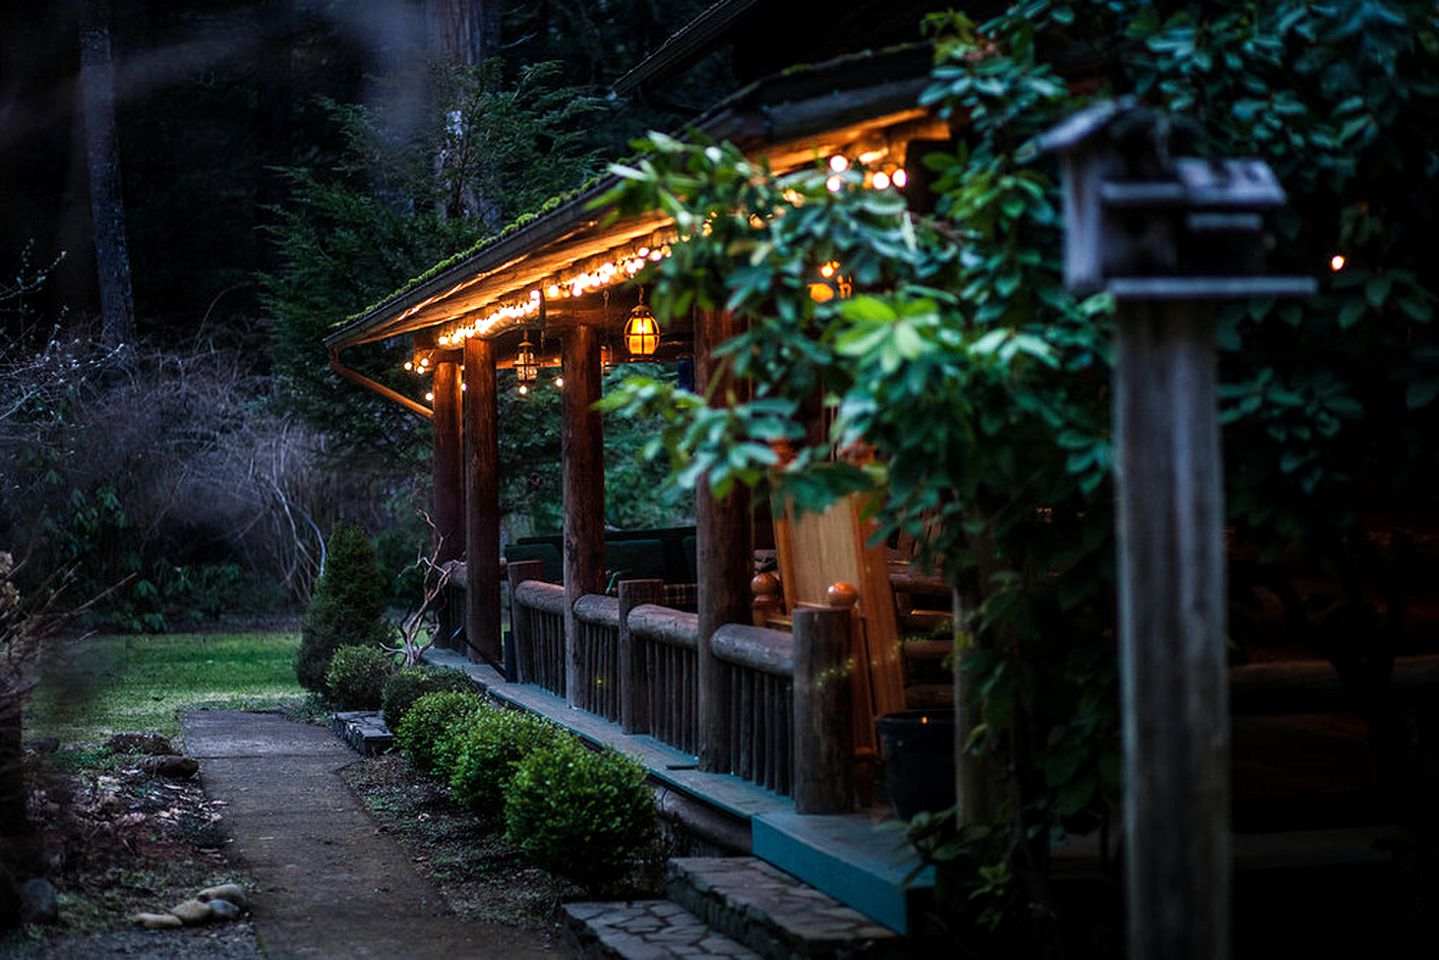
pixel 426 726
pixel 585 815
pixel 481 755
pixel 411 683
pixel 356 677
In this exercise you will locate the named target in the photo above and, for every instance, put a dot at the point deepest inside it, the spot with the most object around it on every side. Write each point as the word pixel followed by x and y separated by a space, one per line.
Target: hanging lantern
pixel 527 369
pixel 642 332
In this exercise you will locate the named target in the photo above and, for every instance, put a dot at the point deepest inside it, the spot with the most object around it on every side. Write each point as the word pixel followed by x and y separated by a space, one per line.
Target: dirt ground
pixel 118 842
pixel 479 874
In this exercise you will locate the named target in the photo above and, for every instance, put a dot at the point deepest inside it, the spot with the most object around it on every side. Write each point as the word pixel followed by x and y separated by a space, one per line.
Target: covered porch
pixel 754 708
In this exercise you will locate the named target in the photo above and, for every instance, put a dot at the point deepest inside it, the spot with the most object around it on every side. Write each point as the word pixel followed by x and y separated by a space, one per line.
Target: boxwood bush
pixel 356 677
pixel 429 722
pixel 411 683
pixel 480 756
pixel 587 816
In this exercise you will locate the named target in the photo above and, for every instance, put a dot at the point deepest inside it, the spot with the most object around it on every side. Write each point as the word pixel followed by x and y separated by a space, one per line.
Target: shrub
pixel 481 756
pixel 412 683
pixel 429 722
pixel 588 816
pixel 347 608
pixel 357 675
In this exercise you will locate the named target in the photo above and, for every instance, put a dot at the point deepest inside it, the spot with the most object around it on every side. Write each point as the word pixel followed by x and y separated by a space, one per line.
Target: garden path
pixel 327 883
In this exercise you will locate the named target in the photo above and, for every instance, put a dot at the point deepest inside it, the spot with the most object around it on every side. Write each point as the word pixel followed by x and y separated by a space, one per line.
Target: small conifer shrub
pixel 347 606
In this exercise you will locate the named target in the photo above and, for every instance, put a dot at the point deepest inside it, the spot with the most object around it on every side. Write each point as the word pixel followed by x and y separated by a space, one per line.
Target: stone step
pixel 645 930
pixel 363 730
pixel 771 912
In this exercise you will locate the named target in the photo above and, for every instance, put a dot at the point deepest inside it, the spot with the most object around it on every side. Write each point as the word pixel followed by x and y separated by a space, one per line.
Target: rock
pixel 230 892
pixel 158 921
pixel 170 765
pixel 151 743
pixel 37 901
pixel 192 912
pixel 223 910
pixel 44 744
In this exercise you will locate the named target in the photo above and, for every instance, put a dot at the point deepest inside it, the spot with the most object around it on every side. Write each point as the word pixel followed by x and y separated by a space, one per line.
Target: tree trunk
pixel 463 31
pixel 102 150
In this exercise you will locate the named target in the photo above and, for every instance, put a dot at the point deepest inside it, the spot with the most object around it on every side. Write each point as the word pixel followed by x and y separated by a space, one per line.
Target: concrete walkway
pixel 327 883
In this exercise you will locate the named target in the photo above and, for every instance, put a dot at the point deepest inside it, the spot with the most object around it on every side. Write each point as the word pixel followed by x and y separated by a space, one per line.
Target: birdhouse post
pixel 1169 237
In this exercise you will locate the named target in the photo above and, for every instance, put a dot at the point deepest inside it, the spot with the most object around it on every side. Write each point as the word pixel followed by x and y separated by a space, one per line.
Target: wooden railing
pixel 787 713
pixel 598 620
pixel 660 675
pixel 759 667
pixel 538 610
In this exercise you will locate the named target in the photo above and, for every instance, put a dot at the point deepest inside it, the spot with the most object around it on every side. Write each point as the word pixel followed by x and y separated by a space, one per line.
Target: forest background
pixel 196 192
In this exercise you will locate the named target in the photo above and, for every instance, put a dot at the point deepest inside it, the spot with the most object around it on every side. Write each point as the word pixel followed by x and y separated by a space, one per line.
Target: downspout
pixel 384 391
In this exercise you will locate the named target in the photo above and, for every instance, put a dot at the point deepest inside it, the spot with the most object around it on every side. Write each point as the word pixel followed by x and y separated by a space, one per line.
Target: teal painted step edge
pixel 850 858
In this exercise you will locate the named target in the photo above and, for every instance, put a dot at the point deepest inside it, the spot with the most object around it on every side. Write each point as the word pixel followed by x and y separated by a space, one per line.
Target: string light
pixel 429 396
pixel 881 181
pixel 899 178
pixel 1336 262
pixel 839 163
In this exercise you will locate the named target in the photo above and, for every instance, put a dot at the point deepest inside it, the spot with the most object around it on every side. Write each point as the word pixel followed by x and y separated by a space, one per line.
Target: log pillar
pixel 823 705
pixel 449 487
pixel 582 452
pixel 482 504
pixel 724 561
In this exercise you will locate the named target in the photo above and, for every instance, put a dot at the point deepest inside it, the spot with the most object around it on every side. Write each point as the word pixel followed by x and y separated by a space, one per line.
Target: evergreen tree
pixel 347 608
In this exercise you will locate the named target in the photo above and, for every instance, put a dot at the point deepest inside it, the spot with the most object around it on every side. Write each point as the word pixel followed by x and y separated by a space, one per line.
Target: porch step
pixel 646 930
pixel 771 912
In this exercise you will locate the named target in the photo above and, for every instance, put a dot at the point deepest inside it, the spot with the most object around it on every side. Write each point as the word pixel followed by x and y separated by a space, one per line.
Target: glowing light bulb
pixel 430 396
pixel 827 270
pixel 881 181
pixel 899 178
pixel 839 163
pixel 833 184
pixel 524 389
pixel 409 365
pixel 1336 262
pixel 462 386
pixel 559 381
pixel 552 291
pixel 535 294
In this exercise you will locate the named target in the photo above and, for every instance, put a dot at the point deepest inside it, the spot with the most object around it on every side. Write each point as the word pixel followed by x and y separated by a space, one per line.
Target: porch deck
pixel 859 859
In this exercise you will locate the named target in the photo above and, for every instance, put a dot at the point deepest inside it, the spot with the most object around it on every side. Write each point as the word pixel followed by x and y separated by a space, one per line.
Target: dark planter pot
pixel 918 760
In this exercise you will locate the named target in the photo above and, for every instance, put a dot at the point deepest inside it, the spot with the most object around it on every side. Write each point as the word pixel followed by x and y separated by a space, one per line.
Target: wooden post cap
pixel 764 584
pixel 841 594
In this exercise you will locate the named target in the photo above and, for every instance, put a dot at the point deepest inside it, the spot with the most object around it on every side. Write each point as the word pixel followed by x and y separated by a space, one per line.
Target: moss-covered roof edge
pixel 561 213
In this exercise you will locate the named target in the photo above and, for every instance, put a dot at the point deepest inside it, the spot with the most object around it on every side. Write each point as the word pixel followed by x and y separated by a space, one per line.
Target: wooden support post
pixel 823 731
pixel 449 484
pixel 482 504
pixel 518 572
pixel 1170 515
pixel 634 678
pixel 582 452
pixel 724 560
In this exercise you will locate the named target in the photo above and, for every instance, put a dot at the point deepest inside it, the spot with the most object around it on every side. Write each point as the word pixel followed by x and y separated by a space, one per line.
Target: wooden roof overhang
pixel 790 119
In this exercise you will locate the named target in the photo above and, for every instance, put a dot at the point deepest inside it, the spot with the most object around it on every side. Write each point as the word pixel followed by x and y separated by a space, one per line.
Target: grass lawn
pixel 92 688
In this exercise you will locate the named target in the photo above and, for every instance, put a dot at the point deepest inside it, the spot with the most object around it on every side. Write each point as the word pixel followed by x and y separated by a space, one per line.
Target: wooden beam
pixel 582 454
pixel 724 560
pixel 449 483
pixel 1170 513
pixel 482 504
